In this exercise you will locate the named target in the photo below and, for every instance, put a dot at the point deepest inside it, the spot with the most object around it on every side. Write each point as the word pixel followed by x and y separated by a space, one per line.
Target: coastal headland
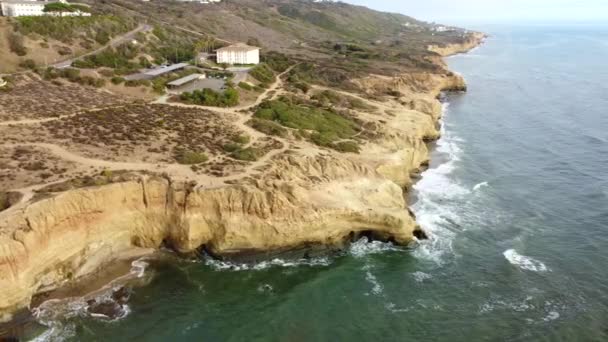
pixel 298 193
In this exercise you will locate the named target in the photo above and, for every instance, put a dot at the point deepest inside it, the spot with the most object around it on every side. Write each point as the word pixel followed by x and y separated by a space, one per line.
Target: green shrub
pixel 231 147
pixel 347 146
pixel 277 61
pixel 116 58
pixel 262 73
pixel 15 44
pixel 58 7
pixel 246 154
pixel 190 157
pixel 303 86
pixel 210 97
pixel 28 64
pixel 117 80
pixel 241 139
pixel 245 86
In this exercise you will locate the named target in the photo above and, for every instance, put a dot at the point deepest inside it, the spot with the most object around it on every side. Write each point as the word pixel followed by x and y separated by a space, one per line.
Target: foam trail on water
pixel 264 265
pixel 524 262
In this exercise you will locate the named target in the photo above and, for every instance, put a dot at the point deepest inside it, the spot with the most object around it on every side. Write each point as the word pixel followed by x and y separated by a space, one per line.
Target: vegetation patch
pixel 263 73
pixel 63 7
pixel 72 75
pixel 268 127
pixel 100 28
pixel 116 58
pixel 210 97
pixel 323 127
pixel 190 157
pixel 332 98
pixel 15 43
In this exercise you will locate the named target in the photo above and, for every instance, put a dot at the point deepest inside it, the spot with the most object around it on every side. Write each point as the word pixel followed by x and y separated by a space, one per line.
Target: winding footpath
pixel 179 171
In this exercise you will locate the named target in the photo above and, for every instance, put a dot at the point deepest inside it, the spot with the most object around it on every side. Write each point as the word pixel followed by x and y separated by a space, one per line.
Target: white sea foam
pixel 551 316
pixel 138 268
pixel 237 267
pixel 365 247
pixel 524 262
pixel 377 288
pixel 421 276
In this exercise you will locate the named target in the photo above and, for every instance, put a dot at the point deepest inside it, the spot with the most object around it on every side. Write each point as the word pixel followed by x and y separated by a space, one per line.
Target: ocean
pixel 515 203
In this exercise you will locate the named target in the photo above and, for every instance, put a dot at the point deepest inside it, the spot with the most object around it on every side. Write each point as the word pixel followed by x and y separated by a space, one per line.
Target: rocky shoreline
pixel 302 203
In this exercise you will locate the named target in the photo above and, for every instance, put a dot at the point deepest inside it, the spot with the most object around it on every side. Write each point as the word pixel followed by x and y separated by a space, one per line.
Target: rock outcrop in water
pixel 299 200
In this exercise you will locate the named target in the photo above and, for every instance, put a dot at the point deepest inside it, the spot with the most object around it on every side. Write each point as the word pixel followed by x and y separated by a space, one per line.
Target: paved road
pixel 129 36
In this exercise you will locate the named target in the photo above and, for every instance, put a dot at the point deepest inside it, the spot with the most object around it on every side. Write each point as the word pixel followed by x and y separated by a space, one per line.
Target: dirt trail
pixel 178 171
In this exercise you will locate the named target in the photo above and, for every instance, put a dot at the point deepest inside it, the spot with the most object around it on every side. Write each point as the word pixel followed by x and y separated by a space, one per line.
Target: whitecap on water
pixel 480 185
pixel 524 262
pixel 421 276
pixel 551 316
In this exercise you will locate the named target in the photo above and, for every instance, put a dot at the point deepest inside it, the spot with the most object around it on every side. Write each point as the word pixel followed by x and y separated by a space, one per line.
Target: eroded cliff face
pixel 300 199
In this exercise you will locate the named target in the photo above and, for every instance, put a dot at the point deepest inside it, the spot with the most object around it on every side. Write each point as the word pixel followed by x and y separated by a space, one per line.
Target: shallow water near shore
pixel 515 202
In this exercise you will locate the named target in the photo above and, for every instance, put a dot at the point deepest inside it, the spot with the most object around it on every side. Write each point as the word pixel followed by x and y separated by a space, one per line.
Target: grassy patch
pixel 325 127
pixel 332 98
pixel 190 157
pixel 118 59
pixel 100 28
pixel 268 127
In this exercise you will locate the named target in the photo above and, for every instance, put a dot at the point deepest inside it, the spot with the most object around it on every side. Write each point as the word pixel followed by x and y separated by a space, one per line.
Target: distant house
pixel 21 8
pixel 238 54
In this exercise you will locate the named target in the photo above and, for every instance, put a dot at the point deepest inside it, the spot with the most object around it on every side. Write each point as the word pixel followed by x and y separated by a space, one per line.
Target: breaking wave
pixel 55 314
pixel 365 247
pixel 358 249
pixel 439 199
pixel 524 262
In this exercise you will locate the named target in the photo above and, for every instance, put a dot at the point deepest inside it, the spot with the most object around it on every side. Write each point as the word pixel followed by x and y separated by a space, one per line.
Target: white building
pixel 238 54
pixel 21 8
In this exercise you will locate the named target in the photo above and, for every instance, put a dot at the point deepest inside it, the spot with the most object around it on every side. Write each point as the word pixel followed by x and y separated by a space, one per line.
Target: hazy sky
pixel 488 11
